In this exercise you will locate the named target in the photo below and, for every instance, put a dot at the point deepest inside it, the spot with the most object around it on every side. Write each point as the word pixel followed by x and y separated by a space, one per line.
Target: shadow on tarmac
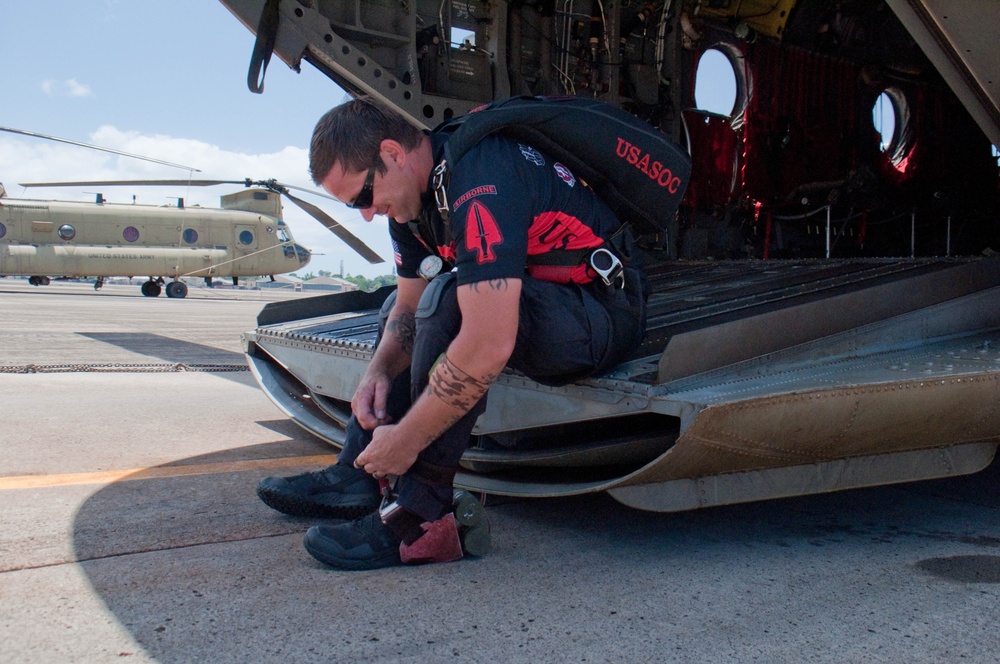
pixel 196 568
pixel 168 349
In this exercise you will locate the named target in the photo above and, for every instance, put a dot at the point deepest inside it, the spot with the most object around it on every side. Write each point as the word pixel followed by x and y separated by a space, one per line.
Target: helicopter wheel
pixel 150 288
pixel 177 289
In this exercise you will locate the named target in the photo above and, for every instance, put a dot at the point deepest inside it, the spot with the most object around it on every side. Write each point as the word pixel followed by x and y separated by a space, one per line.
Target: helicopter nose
pixel 303 254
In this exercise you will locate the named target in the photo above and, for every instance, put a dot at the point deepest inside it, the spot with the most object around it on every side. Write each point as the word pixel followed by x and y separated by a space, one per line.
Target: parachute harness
pixel 438 184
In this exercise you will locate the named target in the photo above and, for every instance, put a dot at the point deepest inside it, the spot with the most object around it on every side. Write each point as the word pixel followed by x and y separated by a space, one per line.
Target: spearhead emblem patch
pixel 482 233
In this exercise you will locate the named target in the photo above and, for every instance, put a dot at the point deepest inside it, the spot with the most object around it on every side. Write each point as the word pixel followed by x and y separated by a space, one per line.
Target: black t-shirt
pixel 508 201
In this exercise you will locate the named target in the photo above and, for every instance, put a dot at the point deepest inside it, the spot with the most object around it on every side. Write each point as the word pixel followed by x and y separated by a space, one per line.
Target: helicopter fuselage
pixel 39 238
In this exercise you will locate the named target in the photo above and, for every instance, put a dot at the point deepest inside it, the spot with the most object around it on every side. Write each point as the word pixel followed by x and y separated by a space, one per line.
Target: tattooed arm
pixel 392 356
pixel 473 361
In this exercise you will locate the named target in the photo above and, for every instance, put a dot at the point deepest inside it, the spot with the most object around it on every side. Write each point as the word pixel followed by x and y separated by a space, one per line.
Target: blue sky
pixel 165 79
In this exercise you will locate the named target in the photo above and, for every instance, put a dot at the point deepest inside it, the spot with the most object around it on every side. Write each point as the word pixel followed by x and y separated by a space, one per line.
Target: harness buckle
pixel 607 266
pixel 440 173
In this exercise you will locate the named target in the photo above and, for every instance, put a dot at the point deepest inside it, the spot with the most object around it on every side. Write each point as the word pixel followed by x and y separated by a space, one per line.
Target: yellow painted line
pixel 159 472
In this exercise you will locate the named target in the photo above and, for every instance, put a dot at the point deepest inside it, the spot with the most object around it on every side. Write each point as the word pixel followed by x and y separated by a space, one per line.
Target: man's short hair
pixel 350 134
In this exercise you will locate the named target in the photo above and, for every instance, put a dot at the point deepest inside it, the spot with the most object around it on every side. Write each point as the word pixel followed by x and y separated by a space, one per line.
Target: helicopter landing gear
pixel 99 283
pixel 177 289
pixel 39 281
pixel 150 288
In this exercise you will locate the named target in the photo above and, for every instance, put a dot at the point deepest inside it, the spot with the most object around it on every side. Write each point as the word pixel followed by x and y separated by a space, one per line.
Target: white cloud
pixel 24 159
pixel 68 88
pixel 76 89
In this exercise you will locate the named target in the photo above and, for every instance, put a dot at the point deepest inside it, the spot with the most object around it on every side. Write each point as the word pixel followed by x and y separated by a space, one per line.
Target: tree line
pixel 363 283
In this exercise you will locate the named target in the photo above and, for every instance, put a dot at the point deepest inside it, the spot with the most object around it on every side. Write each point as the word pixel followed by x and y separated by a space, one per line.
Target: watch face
pixel 430 267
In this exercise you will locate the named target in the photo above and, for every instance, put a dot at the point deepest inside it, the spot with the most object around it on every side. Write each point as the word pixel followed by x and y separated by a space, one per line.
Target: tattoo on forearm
pixel 455 387
pixel 490 284
pixel 403 329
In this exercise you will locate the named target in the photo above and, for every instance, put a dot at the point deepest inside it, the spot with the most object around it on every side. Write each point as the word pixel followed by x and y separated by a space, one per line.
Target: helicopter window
pixel 890 117
pixel 246 237
pixel 131 234
pixel 715 87
pixel 282 236
pixel 3 230
pixel 995 153
pixel 884 117
pixel 460 37
pixel 190 235
pixel 67 232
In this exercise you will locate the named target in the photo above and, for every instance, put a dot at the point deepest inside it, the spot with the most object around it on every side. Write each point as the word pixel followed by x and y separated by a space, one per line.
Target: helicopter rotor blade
pixel 308 191
pixel 337 229
pixel 282 188
pixel 97 147
pixel 137 183
pixel 273 185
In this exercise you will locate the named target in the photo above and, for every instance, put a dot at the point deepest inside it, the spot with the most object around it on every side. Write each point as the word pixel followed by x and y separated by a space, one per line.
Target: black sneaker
pixel 340 491
pixel 365 543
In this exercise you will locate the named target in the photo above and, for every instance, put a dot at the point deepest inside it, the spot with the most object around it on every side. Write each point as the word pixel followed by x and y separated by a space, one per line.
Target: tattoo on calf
pixel 403 329
pixel 455 387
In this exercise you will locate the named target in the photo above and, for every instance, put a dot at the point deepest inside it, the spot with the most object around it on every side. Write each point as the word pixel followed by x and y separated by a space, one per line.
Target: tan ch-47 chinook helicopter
pixel 825 310
pixel 245 237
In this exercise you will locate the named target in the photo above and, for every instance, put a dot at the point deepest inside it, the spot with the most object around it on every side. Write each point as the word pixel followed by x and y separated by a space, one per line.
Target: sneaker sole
pixel 295 506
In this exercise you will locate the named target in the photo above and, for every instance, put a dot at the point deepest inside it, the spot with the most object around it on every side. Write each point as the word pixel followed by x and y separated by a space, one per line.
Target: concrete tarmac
pixel 130 531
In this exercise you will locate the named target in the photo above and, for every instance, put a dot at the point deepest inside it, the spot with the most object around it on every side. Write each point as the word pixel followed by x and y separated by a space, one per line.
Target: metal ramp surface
pixel 756 379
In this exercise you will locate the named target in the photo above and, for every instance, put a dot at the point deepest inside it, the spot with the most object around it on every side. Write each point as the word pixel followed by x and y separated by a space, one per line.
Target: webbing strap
pixel 562 257
pixel 432 474
pixel 263 47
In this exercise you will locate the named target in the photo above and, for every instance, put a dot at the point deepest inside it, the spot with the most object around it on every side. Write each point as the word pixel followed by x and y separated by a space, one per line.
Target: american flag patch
pixel 396 256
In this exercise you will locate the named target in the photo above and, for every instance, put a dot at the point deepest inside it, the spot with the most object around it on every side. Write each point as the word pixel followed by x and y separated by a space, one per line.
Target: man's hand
pixel 387 454
pixel 391 357
pixel 368 404
pixel 473 360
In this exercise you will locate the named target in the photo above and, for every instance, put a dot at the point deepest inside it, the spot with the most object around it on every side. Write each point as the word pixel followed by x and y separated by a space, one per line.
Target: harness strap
pixel 432 474
pixel 439 183
pixel 562 257
pixel 263 47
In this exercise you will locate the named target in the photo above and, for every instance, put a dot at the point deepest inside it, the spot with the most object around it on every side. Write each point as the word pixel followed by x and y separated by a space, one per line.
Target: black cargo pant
pixel 565 332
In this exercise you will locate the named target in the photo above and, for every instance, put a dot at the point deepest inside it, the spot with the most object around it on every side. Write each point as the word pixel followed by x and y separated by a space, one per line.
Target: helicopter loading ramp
pixel 756 380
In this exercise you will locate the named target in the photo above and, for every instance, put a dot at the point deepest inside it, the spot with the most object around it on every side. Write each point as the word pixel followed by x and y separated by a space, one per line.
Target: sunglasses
pixel 364 197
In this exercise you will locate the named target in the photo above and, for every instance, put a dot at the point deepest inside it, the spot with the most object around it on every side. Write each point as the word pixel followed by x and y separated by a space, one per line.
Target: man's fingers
pixel 379 401
pixel 359 463
pixel 361 405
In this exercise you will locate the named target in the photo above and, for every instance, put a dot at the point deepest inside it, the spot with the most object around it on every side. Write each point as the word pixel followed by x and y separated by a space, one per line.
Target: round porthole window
pixel 246 237
pixel 190 235
pixel 890 117
pixel 131 234
pixel 884 118
pixel 67 232
pixel 715 84
pixel 3 230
